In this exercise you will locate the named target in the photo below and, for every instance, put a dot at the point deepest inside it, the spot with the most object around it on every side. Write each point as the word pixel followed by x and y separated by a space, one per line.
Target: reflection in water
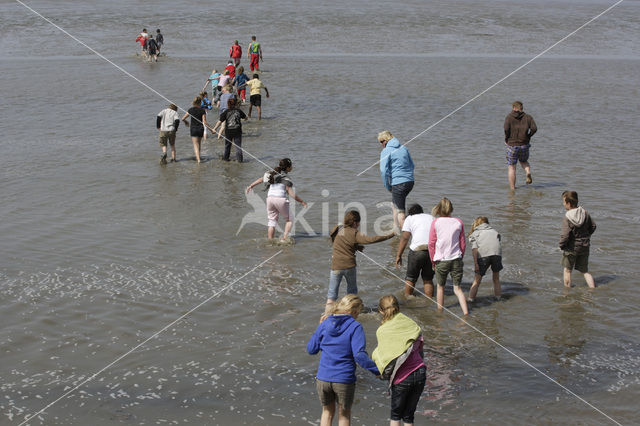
pixel 566 338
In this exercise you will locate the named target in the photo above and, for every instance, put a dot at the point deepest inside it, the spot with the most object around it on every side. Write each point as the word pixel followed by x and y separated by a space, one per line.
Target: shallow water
pixel 102 247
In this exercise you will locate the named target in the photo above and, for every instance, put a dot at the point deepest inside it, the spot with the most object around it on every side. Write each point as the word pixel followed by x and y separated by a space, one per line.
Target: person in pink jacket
pixel 446 249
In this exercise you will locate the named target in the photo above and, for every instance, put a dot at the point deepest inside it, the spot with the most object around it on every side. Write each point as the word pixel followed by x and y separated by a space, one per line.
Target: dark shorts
pixel 330 392
pixel 399 194
pixel 446 267
pixel 255 100
pixel 576 260
pixel 484 262
pixel 517 153
pixel 419 265
pixel 196 132
pixel 406 394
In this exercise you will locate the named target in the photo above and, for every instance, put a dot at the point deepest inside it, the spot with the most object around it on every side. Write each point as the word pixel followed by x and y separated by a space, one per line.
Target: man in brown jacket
pixel 518 129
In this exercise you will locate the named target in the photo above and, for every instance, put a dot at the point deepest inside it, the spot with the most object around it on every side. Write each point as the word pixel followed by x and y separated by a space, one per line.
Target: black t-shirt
pixel 152 44
pixel 232 118
pixel 196 114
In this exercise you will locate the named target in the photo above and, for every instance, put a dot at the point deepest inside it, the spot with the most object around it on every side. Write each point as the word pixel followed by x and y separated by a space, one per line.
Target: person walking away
pixel 206 105
pixel 167 122
pixel 214 78
pixel 232 117
pixel 232 70
pixel 152 48
pixel 255 99
pixel 399 357
pixel 575 240
pixel 197 125
pixel 346 240
pixel 240 82
pixel 224 79
pixel 235 53
pixel 142 38
pixel 279 185
pixel 518 130
pixel 255 54
pixel 159 40
pixel 446 248
pixel 396 170
pixel 223 104
pixel 486 247
pixel 416 228
pixel 341 342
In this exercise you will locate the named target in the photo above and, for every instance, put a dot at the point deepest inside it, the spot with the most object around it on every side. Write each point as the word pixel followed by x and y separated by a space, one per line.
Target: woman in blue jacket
pixel 341 340
pixel 396 170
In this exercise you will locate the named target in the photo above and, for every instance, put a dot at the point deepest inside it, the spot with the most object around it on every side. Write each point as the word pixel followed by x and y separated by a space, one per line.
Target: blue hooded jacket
pixel 342 342
pixel 396 166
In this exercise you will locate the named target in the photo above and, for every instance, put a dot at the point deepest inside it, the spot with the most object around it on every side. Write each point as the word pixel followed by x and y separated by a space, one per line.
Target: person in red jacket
pixel 142 38
pixel 232 70
pixel 235 53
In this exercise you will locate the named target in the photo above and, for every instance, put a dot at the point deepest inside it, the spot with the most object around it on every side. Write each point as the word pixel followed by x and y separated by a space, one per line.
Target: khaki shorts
pixel 167 137
pixel 576 260
pixel 330 392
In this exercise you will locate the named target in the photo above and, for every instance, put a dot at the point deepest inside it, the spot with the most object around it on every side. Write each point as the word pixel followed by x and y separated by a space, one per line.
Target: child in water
pixel 279 186
pixel 341 342
pixel 400 359
pixel 577 227
pixel 487 251
pixel 446 249
pixel 346 241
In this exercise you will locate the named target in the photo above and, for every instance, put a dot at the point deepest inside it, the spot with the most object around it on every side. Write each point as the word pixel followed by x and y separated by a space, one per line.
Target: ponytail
pixel 388 307
pixel 284 164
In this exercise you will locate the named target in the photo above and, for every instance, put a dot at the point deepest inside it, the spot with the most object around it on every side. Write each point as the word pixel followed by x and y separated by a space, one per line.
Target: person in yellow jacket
pixel 400 359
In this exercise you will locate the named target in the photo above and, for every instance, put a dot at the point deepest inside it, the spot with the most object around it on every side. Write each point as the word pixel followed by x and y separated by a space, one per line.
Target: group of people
pixel 228 93
pixel 150 47
pixel 437 245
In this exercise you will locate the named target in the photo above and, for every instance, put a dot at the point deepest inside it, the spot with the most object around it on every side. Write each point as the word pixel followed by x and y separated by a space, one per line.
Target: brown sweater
pixel 518 128
pixel 345 244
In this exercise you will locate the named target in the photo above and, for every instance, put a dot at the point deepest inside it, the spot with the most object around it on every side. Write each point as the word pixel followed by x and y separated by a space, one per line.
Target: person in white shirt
pixel 167 123
pixel 416 227
pixel 279 185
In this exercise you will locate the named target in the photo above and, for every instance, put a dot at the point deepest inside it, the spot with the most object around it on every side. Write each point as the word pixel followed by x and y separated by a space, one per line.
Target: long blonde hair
pixel 444 208
pixel 350 304
pixel 388 307
pixel 477 222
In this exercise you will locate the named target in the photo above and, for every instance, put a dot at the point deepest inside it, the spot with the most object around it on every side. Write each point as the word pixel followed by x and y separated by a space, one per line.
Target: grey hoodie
pixel 486 240
pixel 577 227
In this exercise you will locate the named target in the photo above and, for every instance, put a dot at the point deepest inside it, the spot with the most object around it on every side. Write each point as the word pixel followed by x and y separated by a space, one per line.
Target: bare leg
pixel 440 296
pixel 344 416
pixel 589 279
pixel 408 288
pixel 512 176
pixel 497 290
pixel 397 229
pixel 287 229
pixel 566 275
pixel 328 412
pixel 259 112
pixel 463 302
pixel 249 112
pixel 527 170
pixel 196 147
pixel 401 217
pixel 428 288
pixel 173 152
pixel 475 286
pixel 271 232
pixel 396 423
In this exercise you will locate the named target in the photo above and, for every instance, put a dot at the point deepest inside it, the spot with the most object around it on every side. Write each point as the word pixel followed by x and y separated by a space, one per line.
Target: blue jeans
pixel 336 278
